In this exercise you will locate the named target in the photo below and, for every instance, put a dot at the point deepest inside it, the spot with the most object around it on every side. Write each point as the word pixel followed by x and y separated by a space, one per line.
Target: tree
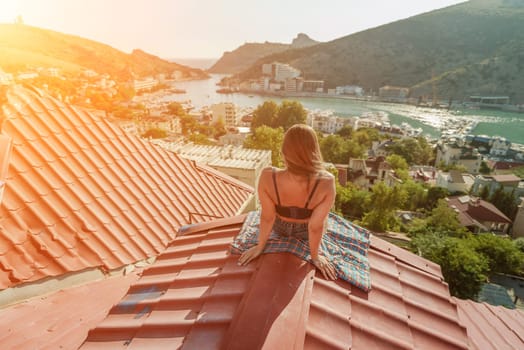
pixel 290 113
pixel 200 139
pixel 504 201
pixel 484 193
pixel 265 114
pixel 188 124
pixel 351 202
pixel 444 219
pixel 463 268
pixel 503 255
pixel 334 149
pixel 176 109
pixel 345 132
pixel 484 169
pixel 218 129
pixel 155 133
pixel 267 138
pixel 384 202
pixel 416 194
pixel 434 195
pixel 413 150
pixel 399 165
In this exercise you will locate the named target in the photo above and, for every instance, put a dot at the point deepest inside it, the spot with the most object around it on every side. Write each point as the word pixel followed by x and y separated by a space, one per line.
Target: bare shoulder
pixel 265 175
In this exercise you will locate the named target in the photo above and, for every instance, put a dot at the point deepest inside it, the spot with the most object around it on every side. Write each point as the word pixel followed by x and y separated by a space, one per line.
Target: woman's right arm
pixel 316 228
pixel 267 217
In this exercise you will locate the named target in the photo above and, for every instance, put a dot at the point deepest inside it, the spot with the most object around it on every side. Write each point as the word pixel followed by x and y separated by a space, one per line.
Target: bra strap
pixel 275 184
pixel 312 192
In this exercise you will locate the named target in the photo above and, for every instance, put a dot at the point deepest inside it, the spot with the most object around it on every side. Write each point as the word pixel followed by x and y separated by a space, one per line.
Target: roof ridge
pixel 280 307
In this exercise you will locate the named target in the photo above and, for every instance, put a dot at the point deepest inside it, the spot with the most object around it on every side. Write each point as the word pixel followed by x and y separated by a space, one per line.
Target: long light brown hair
pixel 301 150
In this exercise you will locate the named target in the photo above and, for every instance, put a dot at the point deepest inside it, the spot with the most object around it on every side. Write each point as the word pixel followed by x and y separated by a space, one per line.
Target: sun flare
pixel 9 10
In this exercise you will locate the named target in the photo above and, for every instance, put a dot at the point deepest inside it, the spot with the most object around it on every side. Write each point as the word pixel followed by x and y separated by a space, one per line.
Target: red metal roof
pixel 79 192
pixel 62 319
pixel 491 327
pixel 196 296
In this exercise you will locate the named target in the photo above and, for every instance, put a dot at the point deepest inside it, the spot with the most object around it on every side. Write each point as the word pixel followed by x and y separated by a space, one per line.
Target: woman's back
pixel 294 191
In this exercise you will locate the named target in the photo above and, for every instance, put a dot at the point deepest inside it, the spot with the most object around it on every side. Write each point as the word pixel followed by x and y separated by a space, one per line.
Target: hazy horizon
pixel 205 29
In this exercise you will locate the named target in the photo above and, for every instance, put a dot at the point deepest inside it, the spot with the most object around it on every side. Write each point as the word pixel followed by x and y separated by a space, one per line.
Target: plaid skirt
pixel 344 244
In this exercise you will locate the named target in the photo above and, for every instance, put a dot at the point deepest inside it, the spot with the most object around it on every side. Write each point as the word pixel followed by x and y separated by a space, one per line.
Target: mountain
pixel 476 47
pixel 246 55
pixel 23 47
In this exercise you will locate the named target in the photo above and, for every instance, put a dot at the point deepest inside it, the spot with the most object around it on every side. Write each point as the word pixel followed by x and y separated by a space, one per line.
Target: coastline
pixel 509 125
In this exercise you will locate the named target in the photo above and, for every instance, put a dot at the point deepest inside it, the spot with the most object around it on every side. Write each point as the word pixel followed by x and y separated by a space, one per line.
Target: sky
pixel 208 28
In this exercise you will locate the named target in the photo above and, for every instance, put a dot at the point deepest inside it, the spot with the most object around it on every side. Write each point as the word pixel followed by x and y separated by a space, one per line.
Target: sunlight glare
pixel 9 10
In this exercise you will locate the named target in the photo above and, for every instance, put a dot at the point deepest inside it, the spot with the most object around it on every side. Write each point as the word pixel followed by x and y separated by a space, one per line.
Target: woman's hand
pixel 327 269
pixel 250 254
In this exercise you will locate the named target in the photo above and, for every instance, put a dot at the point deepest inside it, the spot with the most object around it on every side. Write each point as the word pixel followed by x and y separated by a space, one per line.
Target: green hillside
pixel 475 47
pixel 24 47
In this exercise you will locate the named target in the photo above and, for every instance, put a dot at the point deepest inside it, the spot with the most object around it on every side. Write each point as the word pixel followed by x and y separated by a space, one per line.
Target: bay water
pixel 488 122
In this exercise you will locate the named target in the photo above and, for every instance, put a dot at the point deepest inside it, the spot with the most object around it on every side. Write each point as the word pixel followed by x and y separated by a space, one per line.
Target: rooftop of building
pixel 80 193
pixel 225 156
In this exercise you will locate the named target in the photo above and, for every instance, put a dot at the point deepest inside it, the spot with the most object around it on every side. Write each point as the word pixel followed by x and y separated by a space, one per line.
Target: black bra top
pixel 294 212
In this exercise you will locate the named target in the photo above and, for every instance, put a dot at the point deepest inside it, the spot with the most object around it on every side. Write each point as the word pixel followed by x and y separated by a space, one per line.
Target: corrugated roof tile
pixel 118 198
pixel 62 319
pixel 200 298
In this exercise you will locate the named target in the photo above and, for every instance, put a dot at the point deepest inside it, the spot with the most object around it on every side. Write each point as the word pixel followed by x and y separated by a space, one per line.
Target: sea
pixel 432 121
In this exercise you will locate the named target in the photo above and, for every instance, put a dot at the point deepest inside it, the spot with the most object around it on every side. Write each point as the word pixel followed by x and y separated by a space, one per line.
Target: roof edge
pixel 406 257
pixel 191 229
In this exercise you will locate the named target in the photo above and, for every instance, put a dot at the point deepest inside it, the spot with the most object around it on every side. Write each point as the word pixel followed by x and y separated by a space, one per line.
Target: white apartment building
pixel 225 111
pixel 499 146
pixel 327 122
pixel 170 124
pixel 455 181
pixel 280 71
pixel 349 90
pixel 456 153
pixel 144 84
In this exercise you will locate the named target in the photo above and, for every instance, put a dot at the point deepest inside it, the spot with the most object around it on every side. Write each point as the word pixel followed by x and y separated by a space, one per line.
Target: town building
pixel 499 147
pixel 327 122
pixel 226 112
pixel 243 164
pixel 455 181
pixel 504 167
pixel 479 216
pixel 518 223
pixel 423 173
pixel 393 93
pixel 168 123
pixel 279 72
pixel 455 152
pixel 352 90
pixel 380 148
pixel 144 84
pixel 364 173
pixel 510 183
pixel 236 137
pixel 313 86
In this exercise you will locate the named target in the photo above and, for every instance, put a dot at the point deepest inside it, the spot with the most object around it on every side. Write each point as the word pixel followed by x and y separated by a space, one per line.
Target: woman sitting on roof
pixel 282 195
pixel 295 215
